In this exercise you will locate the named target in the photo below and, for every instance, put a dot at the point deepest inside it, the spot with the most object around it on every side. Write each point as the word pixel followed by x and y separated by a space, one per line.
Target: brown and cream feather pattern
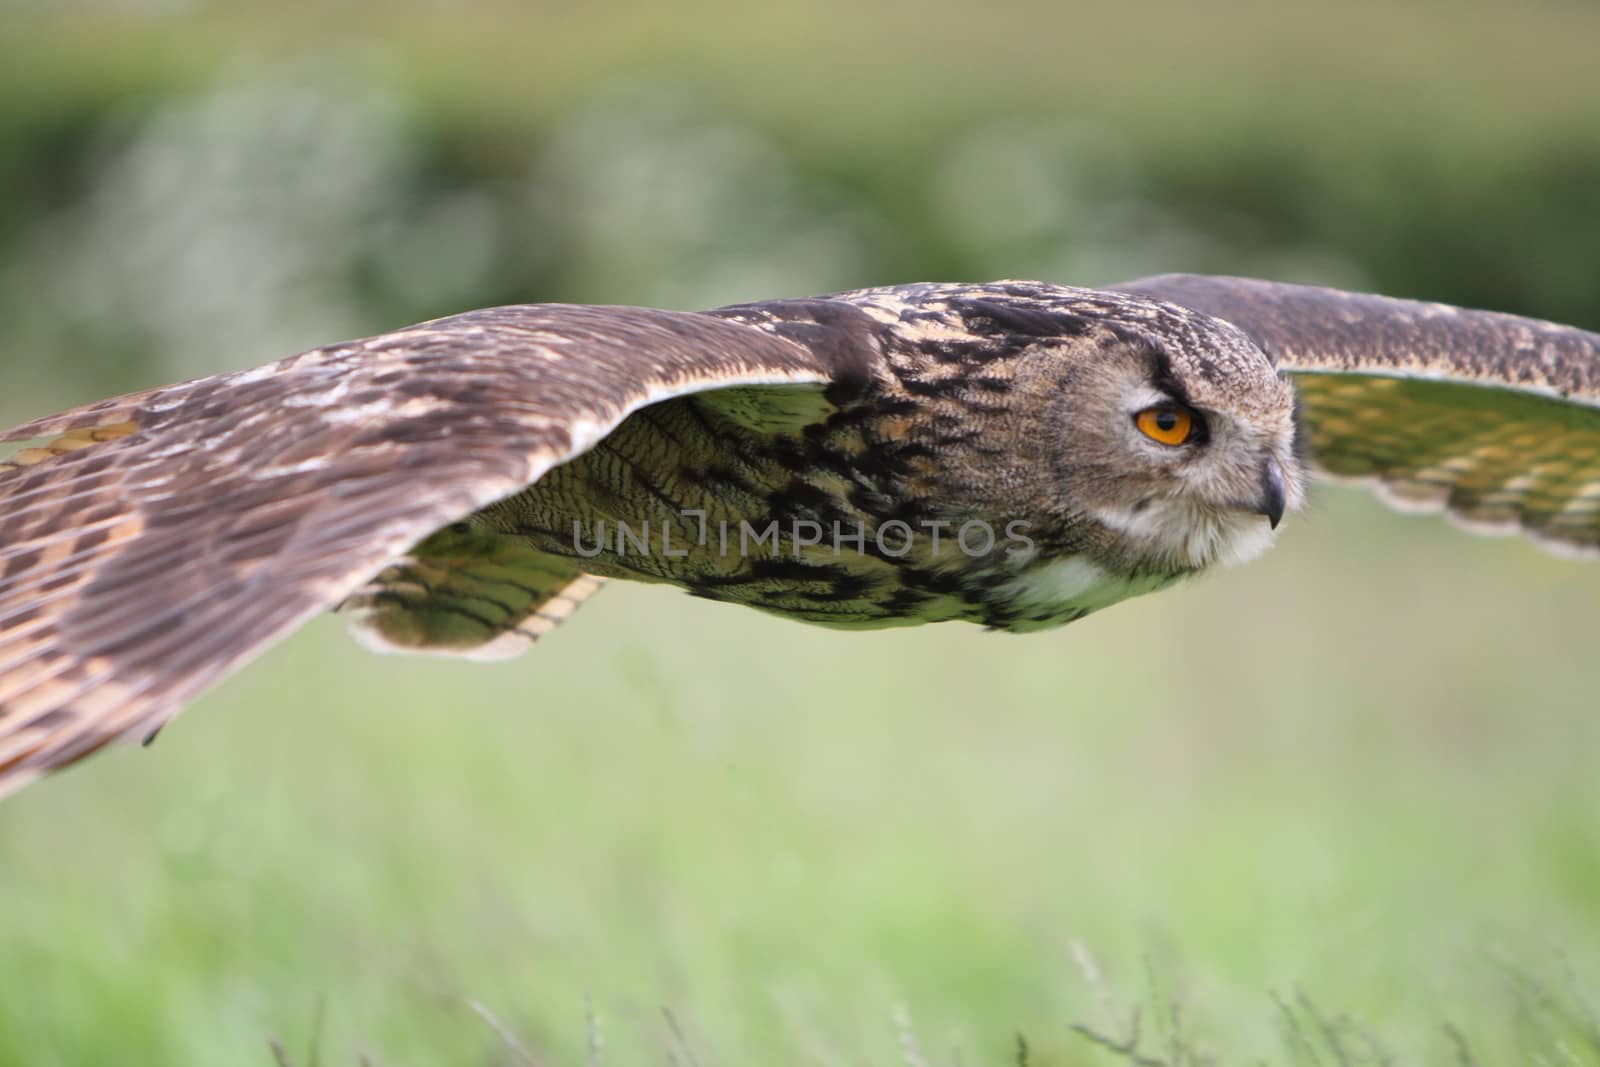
pixel 440 482
pixel 1492 419
pixel 218 514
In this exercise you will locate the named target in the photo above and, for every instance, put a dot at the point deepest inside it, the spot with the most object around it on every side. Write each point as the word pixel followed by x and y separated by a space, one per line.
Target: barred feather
pixel 162 539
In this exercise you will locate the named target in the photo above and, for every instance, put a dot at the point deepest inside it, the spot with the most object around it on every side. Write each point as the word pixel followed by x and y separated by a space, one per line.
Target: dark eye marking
pixel 1162 377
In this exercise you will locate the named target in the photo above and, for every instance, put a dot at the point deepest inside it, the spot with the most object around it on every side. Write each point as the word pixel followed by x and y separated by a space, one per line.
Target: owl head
pixel 1181 442
pixel 1161 439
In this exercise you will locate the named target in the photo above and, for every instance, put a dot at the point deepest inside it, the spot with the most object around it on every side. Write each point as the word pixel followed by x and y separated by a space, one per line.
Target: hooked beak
pixel 1271 501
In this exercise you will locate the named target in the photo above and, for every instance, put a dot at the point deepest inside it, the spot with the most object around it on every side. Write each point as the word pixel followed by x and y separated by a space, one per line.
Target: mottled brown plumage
pixel 461 486
pixel 1493 419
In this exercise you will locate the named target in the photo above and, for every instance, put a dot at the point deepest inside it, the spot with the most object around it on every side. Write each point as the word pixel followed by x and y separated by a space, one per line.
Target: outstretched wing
pixel 1493 418
pixel 161 539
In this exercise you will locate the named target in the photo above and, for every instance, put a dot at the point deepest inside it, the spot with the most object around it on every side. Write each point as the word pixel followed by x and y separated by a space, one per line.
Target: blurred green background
pixel 1335 806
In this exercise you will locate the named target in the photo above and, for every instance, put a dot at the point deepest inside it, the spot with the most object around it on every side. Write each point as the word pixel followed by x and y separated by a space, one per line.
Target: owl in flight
pixel 1016 454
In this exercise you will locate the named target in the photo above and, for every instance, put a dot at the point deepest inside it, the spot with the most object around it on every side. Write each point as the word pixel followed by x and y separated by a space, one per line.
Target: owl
pixel 1016 454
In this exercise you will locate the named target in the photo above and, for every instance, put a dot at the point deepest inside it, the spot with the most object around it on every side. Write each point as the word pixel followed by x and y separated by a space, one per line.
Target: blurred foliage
pixel 1356 777
pixel 164 218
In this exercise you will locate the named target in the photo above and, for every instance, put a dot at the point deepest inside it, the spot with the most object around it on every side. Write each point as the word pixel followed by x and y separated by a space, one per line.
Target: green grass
pixel 1363 779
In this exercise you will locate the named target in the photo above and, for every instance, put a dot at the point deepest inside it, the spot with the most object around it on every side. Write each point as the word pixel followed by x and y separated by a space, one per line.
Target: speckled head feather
pixel 1016 454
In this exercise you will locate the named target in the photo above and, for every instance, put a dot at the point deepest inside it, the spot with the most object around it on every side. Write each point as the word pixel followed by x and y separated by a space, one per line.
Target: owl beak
pixel 1272 500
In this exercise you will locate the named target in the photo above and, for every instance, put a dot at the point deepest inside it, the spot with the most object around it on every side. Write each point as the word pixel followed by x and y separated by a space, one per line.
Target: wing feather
pixel 1492 418
pixel 169 535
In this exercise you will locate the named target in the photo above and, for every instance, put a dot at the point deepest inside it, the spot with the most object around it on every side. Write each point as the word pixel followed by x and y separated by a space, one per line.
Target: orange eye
pixel 1170 426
